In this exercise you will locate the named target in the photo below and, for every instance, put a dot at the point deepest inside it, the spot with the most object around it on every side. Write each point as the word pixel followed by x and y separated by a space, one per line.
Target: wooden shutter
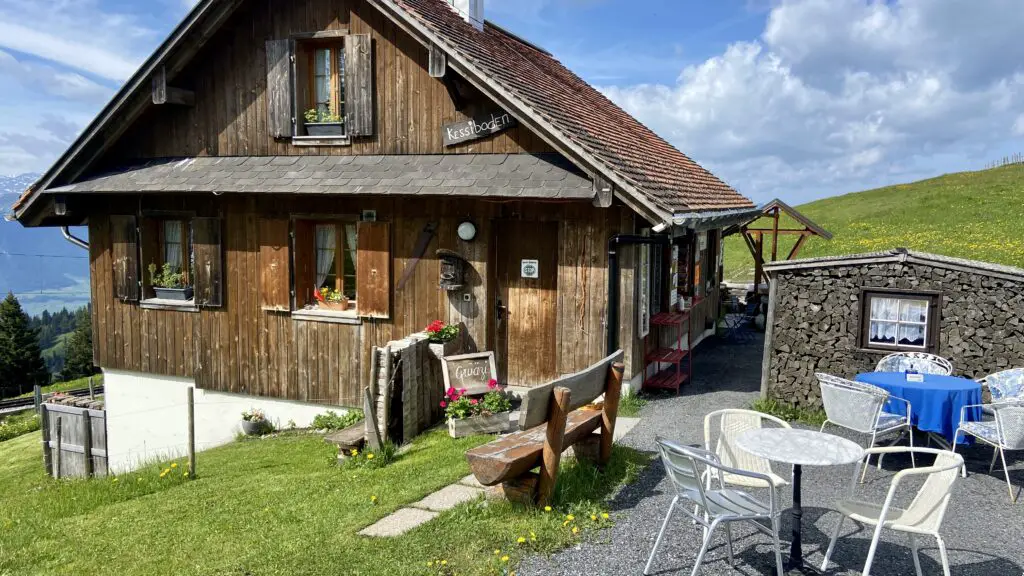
pixel 125 248
pixel 304 262
pixel 359 102
pixel 274 270
pixel 280 88
pixel 209 266
pixel 373 269
pixel 149 240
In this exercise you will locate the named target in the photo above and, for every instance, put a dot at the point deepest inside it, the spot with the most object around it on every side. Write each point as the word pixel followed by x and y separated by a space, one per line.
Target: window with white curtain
pixel 897 321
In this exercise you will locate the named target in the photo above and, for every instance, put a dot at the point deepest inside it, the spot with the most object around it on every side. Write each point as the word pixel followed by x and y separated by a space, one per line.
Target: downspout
pixel 613 278
pixel 73 239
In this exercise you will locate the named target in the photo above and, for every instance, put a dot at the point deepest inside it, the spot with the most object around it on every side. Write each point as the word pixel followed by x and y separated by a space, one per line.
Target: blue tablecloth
pixel 934 404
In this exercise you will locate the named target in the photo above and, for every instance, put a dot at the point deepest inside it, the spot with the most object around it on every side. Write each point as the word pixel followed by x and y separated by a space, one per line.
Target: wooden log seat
pixel 552 418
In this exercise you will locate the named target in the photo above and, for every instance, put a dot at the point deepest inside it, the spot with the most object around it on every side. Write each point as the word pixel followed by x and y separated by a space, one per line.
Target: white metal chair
pixel 721 506
pixel 860 407
pixel 1005 432
pixel 922 517
pixel 732 423
pixel 917 361
pixel 1004 386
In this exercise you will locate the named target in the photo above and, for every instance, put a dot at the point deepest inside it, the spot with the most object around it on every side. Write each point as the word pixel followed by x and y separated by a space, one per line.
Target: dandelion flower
pixel 497 552
pixel 521 540
pixel 533 536
pixel 570 517
pixel 429 564
pixel 575 530
pixel 174 464
pixel 604 515
pixel 184 474
pixel 369 456
pixel 504 558
pixel 444 562
pixel 564 524
pixel 547 508
pixel 373 499
pixel 593 517
pixel 354 452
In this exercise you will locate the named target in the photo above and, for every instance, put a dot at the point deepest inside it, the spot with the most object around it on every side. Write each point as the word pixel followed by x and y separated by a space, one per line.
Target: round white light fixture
pixel 467 231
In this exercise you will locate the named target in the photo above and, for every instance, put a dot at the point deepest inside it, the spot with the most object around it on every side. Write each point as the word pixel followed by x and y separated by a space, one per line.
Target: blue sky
pixel 792 98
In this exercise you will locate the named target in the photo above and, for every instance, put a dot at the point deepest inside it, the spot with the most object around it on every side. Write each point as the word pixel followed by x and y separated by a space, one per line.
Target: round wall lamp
pixel 467 231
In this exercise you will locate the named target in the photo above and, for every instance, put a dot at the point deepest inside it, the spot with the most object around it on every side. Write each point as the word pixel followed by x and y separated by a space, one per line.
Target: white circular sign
pixel 467 231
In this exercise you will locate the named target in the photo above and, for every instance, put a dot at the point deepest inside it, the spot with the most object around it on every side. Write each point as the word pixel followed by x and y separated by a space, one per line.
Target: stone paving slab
pixel 623 426
pixel 472 482
pixel 448 497
pixel 399 523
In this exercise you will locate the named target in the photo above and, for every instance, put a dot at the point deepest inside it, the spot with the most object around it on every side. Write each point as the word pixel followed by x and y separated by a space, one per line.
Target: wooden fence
pixel 74 441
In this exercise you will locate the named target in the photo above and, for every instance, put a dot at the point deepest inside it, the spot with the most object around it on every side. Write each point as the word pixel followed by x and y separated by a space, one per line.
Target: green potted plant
pixel 169 284
pixel 331 299
pixel 470 416
pixel 254 422
pixel 323 123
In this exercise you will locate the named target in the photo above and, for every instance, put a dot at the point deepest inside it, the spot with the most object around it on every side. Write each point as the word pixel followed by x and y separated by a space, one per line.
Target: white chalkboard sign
pixel 476 127
pixel 469 371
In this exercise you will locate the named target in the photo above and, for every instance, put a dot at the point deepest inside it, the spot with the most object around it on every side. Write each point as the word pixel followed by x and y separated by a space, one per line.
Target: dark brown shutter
pixel 359 85
pixel 149 240
pixel 274 283
pixel 373 269
pixel 304 255
pixel 209 265
pixel 125 248
pixel 280 88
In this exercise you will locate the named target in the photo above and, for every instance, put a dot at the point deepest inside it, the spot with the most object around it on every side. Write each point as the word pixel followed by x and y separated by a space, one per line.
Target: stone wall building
pixel 840 315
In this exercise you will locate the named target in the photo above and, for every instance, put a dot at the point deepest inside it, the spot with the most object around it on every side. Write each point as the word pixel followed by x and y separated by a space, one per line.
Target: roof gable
pixel 902 255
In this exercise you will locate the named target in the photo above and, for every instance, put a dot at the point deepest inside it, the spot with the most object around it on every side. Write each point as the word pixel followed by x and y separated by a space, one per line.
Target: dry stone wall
pixel 817 323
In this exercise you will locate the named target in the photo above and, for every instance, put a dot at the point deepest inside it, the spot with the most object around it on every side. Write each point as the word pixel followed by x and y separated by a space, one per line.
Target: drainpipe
pixel 613 278
pixel 73 239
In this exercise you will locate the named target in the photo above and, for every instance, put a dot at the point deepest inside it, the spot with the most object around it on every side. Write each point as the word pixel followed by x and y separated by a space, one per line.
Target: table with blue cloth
pixel 935 403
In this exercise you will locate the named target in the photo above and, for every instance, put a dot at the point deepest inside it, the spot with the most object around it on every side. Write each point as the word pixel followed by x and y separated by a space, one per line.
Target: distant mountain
pixel 43 269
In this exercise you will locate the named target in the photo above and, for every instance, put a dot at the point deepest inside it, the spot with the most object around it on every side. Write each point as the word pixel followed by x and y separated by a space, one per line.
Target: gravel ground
pixel 983 532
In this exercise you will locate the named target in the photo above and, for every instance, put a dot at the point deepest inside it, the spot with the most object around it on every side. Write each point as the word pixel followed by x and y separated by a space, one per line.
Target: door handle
pixel 500 311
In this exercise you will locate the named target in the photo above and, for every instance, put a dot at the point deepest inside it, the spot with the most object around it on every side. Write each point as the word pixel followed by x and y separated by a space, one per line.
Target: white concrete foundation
pixel 147 418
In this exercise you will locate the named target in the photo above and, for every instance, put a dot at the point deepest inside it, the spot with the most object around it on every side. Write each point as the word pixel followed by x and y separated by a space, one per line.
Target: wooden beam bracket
pixel 164 94
pixel 438 64
pixel 604 192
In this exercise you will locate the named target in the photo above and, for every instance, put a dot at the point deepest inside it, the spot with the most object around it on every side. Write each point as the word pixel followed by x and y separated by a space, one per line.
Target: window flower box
pixel 325 129
pixel 180 294
pixel 479 424
pixel 334 305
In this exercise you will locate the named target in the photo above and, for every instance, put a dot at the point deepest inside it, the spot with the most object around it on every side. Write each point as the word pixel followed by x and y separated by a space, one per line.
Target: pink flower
pixel 444 404
pixel 462 391
pixel 492 383
pixel 473 401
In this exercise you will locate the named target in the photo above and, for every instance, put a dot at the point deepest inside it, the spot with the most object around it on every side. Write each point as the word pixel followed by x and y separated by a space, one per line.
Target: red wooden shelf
pixel 666 355
pixel 669 378
pixel 678 371
pixel 669 318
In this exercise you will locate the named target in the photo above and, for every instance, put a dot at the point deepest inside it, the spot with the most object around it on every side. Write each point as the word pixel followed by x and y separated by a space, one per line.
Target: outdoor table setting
pixel 935 401
pixel 799 448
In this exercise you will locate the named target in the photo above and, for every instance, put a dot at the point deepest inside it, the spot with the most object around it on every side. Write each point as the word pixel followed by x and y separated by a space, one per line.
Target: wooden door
pixel 525 313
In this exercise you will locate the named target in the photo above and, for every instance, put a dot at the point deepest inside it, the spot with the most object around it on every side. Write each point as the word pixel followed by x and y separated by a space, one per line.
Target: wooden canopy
pixel 754 236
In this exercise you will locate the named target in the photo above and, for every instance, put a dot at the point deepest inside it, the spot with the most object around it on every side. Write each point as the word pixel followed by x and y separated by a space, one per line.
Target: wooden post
pixel 87 442
pixel 758 265
pixel 612 394
pixel 92 393
pixel 44 423
pixel 552 454
pixel 56 463
pixel 372 431
pixel 37 397
pixel 775 235
pixel 191 433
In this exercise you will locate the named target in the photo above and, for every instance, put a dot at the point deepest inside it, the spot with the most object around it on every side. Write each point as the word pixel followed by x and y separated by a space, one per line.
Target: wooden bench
pixel 552 418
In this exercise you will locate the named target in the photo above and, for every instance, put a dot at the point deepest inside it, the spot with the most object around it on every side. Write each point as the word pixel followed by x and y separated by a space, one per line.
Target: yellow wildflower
pixel 429 564
pixel 114 480
pixel 138 479
pixel 533 536
pixel 174 464
pixel 604 515
pixel 184 474
pixel 564 524
pixel 521 540
pixel 354 452
pixel 575 530
pixel 497 552
pixel 570 517
pixel 593 517
pixel 504 558
pixel 369 456
pixel 444 562
pixel 373 499
pixel 547 508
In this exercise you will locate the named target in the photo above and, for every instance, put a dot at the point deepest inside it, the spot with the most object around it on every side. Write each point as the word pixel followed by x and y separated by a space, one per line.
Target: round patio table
pixel 799 448
pixel 935 402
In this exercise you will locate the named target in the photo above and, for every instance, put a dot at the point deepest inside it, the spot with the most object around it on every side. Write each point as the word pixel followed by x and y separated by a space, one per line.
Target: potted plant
pixel 169 284
pixel 254 421
pixel 438 332
pixel 323 123
pixel 331 299
pixel 469 416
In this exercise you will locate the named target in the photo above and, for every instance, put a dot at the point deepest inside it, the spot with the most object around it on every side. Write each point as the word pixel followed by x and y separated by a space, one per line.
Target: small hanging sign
pixel 471 372
pixel 476 127
pixel 530 269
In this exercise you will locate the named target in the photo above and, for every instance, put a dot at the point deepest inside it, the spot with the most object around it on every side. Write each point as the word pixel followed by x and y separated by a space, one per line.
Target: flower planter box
pixel 325 128
pixel 253 427
pixel 181 294
pixel 335 306
pixel 474 425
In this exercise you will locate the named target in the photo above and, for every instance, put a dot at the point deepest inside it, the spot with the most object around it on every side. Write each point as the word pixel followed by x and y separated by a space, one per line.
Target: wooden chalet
pixel 272 148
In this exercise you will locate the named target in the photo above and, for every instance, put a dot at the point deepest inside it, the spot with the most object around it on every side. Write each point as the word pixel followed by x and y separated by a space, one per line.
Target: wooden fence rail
pixel 74 441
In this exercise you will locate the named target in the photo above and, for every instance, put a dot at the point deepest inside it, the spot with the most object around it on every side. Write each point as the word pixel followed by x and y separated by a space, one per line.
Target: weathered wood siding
pixel 229 77
pixel 241 347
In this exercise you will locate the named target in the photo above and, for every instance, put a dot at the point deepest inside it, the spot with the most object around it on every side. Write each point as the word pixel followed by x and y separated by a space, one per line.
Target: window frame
pixel 931 328
pixel 147 297
pixel 308 49
pixel 340 222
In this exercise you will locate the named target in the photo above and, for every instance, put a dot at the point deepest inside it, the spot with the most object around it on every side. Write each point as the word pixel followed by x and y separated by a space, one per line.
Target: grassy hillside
pixel 978 215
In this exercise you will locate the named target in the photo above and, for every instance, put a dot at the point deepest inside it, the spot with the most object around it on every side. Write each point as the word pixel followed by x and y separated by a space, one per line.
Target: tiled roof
pixel 666 176
pixel 900 255
pixel 507 175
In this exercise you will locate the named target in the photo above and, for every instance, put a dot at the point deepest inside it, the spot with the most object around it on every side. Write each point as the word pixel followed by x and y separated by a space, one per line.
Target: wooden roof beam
pixel 164 94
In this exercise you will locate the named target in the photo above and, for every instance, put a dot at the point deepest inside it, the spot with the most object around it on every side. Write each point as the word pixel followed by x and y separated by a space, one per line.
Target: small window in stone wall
pixel 899 320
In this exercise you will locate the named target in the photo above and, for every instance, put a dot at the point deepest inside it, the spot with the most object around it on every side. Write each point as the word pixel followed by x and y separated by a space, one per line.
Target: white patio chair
pixel 721 506
pixel 921 362
pixel 922 517
pixel 1005 432
pixel 860 407
pixel 733 422
pixel 1004 386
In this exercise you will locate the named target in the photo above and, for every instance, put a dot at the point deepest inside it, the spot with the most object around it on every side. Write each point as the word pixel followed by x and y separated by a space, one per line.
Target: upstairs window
pixel 167 258
pixel 321 97
pixel 899 321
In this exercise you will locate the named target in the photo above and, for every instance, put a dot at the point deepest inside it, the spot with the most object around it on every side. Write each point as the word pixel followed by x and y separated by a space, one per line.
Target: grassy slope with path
pixel 975 215
pixel 277 506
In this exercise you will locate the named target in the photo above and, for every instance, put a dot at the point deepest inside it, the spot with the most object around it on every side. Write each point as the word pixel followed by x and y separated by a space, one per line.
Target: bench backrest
pixel 585 386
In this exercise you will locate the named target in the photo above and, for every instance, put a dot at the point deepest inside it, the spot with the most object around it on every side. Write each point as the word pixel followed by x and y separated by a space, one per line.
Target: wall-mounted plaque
pixel 529 269
pixel 469 371
pixel 476 127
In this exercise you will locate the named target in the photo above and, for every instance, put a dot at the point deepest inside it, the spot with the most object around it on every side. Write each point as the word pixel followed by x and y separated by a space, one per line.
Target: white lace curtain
pixel 325 245
pixel 172 244
pixel 896 321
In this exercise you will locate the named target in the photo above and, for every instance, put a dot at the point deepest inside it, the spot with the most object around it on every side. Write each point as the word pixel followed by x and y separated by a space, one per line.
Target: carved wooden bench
pixel 552 418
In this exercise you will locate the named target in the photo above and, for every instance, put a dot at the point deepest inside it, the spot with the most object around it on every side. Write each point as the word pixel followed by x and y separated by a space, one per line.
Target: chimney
pixel 472 11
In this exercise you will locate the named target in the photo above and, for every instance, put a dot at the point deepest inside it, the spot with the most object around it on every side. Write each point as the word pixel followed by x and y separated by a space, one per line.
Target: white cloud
pixel 844 94
pixel 49 80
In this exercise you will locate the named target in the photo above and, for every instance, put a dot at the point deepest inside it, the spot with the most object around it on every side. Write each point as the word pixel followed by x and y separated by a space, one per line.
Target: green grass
pixel 280 506
pixel 78 384
pixel 631 405
pixel 790 413
pixel 14 425
pixel 974 215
